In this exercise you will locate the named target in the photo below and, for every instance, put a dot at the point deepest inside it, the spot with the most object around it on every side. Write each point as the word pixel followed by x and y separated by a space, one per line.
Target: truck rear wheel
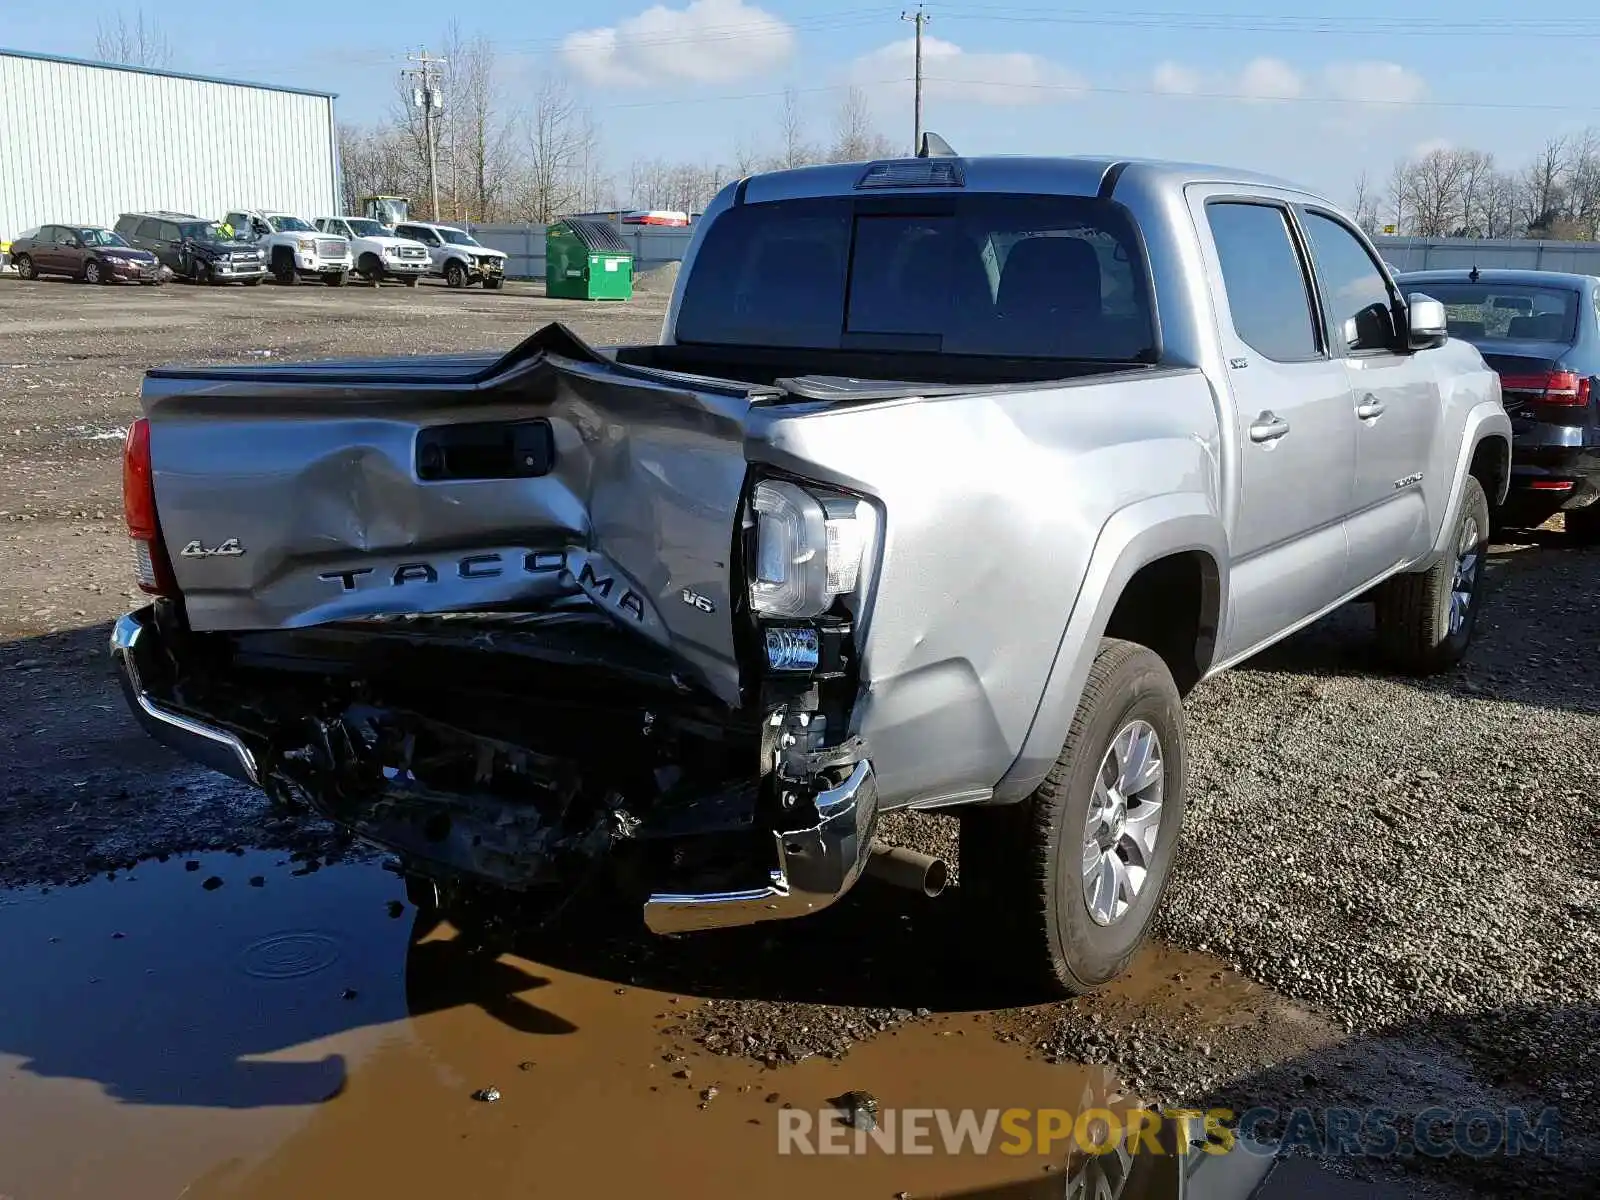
pixel 1583 524
pixel 1067 882
pixel 1425 620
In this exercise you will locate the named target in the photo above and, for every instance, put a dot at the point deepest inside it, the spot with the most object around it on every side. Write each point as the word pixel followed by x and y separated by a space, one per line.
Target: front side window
pixel 985 275
pixel 1358 297
pixel 1265 284
pixel 101 237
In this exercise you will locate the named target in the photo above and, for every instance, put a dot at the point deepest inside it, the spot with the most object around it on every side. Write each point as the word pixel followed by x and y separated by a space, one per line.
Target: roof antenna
pixel 1472 275
pixel 934 146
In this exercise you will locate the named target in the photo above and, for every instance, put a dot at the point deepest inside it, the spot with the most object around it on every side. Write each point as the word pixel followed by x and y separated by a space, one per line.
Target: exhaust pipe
pixel 908 869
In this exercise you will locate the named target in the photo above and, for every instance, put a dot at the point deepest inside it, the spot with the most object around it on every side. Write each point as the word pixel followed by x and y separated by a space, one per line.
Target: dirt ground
pixel 1388 894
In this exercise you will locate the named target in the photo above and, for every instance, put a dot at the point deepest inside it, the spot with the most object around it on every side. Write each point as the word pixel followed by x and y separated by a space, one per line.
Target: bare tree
pixel 1365 206
pixel 793 149
pixel 559 138
pixel 481 135
pixel 1542 191
pixel 855 137
pixel 136 43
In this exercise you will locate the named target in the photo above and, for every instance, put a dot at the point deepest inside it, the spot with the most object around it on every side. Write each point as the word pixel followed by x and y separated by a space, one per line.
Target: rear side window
pixel 1485 313
pixel 1353 286
pixel 150 228
pixel 126 225
pixel 987 275
pixel 1265 283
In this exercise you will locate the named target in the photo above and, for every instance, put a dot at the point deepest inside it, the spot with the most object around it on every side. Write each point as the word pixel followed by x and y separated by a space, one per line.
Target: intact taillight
pixel 1553 387
pixel 150 563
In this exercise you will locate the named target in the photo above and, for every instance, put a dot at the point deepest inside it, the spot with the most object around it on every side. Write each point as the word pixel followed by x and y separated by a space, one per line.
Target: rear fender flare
pixel 1131 539
pixel 1486 420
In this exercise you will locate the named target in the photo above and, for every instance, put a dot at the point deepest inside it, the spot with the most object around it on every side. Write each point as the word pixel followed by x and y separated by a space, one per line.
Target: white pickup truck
pixel 457 255
pixel 378 251
pixel 293 246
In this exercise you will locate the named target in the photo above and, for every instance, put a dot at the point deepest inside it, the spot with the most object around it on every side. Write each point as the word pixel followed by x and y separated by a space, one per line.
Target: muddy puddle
pixel 234 1025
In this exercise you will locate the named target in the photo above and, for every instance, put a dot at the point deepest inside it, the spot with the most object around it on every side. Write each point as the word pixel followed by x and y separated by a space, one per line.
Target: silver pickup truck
pixel 947 480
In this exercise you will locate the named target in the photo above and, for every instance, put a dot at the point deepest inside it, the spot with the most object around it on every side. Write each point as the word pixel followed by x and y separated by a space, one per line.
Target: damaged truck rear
pixel 946 480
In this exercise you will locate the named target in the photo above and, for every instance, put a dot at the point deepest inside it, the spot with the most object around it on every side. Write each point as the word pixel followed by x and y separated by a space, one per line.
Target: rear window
pixel 1484 313
pixel 1013 276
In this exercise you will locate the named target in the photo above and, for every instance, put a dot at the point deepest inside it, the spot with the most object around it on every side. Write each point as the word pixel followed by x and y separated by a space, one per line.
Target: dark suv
pixel 194 249
pixel 1540 331
pixel 85 252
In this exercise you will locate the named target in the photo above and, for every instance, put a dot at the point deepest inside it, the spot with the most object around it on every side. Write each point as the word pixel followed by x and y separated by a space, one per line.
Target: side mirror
pixel 1426 324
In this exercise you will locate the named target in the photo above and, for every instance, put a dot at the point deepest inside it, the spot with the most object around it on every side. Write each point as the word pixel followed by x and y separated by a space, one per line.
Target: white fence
pixel 1423 254
pixel 525 246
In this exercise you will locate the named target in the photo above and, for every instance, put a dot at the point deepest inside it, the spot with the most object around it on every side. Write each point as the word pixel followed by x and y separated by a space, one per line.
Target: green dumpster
pixel 585 259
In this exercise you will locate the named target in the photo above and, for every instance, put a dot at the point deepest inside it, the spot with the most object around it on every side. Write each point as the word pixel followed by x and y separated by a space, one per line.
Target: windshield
pixel 290 225
pixel 204 231
pixel 456 238
pixel 365 228
pixel 1013 276
pixel 101 237
pixel 1486 313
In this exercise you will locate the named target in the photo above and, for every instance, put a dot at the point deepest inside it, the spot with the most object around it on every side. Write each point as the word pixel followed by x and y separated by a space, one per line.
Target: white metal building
pixel 85 142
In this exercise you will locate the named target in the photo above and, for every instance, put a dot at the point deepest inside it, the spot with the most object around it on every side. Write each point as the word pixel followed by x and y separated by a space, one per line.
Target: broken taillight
pixel 150 563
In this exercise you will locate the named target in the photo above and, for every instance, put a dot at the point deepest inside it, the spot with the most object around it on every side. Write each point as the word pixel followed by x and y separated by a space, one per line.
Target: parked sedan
pixel 1540 331
pixel 86 252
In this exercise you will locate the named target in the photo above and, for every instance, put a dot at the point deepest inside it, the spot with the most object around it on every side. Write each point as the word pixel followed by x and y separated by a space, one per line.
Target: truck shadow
pixel 1536 629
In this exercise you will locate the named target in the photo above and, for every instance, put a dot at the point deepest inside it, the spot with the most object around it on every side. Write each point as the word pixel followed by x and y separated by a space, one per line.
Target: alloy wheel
pixel 1119 833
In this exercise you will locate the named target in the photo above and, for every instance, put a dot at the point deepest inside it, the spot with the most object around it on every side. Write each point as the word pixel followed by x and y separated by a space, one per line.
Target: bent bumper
pixel 815 867
pixel 205 744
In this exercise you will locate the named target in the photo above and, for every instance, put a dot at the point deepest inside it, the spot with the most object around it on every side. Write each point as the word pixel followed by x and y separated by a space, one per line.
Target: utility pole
pixel 919 18
pixel 427 96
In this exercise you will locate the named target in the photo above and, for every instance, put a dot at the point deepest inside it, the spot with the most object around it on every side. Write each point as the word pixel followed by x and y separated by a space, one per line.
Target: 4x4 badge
pixel 228 549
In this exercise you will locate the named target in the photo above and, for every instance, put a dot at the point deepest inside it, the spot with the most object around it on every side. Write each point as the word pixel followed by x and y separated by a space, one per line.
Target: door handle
pixel 1369 408
pixel 1268 427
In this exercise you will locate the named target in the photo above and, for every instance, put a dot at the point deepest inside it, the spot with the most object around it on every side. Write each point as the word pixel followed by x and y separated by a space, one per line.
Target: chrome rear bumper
pixel 816 866
pixel 218 749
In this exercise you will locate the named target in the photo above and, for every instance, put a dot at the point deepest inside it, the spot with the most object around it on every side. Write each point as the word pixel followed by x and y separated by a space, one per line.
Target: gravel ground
pixel 1387 892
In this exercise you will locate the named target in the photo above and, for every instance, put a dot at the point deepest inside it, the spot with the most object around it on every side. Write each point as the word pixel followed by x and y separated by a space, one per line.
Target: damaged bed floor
pixel 1343 927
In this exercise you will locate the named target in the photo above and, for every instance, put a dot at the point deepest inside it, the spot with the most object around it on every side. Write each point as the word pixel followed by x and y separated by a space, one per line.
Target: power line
pixel 428 98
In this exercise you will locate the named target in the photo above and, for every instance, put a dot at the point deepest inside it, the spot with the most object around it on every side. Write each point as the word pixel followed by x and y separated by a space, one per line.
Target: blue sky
pixel 1318 96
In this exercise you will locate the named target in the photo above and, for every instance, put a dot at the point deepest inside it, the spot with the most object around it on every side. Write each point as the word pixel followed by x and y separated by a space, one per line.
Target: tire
pixel 24 265
pixel 1022 864
pixel 283 268
pixel 1583 524
pixel 334 279
pixel 412 280
pixel 492 285
pixel 93 272
pixel 256 282
pixel 1425 619
pixel 455 275
pixel 370 269
pixel 203 274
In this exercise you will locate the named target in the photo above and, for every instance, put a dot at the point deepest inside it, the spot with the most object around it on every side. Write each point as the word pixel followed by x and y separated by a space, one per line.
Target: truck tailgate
pixel 298 495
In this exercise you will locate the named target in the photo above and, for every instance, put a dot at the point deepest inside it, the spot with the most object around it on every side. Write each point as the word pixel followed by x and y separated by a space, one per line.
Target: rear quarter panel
pixel 991 506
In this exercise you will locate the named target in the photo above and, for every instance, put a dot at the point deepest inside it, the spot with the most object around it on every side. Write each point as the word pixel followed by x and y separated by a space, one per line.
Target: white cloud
pixel 1266 79
pixel 1178 80
pixel 1270 79
pixel 951 73
pixel 1431 146
pixel 708 41
pixel 1374 82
